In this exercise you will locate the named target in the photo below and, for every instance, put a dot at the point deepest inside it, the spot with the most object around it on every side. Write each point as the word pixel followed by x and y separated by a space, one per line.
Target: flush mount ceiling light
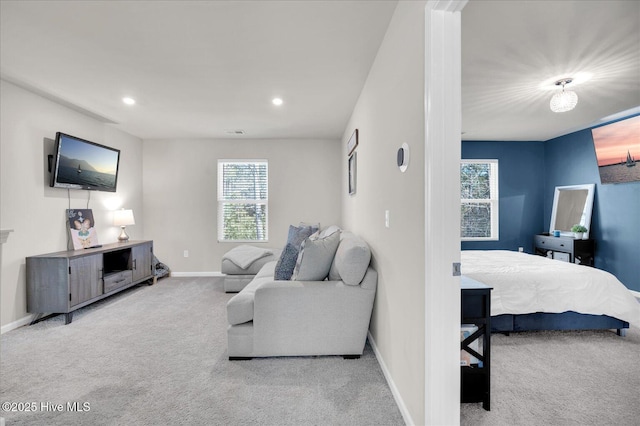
pixel 129 101
pixel 277 101
pixel 565 100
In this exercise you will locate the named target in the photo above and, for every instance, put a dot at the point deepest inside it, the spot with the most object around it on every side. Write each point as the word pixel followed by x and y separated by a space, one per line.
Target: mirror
pixel 572 205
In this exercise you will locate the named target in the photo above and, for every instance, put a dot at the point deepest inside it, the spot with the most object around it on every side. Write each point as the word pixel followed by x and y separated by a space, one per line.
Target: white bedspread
pixel 524 283
pixel 245 255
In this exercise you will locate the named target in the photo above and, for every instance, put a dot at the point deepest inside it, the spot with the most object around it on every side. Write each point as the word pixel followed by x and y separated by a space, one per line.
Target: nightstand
pixel 564 248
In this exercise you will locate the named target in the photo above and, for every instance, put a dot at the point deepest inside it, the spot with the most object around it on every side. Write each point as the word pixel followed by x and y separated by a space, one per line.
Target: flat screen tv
pixel 618 150
pixel 81 164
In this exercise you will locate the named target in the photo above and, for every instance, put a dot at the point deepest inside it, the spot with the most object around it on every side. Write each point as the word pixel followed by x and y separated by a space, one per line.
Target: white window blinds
pixel 479 200
pixel 243 187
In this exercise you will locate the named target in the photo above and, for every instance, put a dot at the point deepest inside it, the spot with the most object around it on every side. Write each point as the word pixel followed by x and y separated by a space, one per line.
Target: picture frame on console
pixel 82 228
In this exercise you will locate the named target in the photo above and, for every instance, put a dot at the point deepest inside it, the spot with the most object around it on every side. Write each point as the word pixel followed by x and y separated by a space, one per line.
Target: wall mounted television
pixel 81 164
pixel 618 150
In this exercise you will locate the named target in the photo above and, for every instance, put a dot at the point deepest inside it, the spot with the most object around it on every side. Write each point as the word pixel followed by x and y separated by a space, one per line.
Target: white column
pixel 442 210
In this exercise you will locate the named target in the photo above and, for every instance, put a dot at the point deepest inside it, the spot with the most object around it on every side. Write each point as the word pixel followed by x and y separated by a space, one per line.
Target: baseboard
pixel 197 274
pixel 387 375
pixel 16 324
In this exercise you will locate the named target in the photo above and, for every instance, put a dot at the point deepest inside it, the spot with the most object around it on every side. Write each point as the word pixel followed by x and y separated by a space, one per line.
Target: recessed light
pixel 129 101
pixel 277 101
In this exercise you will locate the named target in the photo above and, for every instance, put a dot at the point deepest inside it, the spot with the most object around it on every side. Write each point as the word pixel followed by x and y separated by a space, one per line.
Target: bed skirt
pixel 564 321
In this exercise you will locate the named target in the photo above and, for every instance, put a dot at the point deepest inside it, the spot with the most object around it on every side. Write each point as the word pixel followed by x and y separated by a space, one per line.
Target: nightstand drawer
pixel 554 243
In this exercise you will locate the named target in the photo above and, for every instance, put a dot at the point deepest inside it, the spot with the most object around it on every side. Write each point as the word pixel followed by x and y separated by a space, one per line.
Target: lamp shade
pixel 123 218
pixel 564 101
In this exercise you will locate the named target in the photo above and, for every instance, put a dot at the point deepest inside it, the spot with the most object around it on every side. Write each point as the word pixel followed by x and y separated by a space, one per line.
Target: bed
pixel 533 292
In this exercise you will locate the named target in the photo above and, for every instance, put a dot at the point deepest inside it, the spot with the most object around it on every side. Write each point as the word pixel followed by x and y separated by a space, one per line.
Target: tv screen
pixel 618 150
pixel 80 164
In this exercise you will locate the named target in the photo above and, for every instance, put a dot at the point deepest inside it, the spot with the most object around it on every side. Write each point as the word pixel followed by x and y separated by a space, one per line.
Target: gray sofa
pixel 295 318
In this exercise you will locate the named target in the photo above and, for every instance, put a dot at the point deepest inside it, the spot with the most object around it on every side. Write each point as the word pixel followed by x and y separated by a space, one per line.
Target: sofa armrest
pixel 315 315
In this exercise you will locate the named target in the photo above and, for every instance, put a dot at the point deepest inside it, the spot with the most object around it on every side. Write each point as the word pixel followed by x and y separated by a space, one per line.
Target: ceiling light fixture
pixel 129 101
pixel 565 100
pixel 277 101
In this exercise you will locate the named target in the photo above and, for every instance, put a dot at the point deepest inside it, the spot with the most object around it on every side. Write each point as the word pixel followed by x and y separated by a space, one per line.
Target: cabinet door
pixel 142 261
pixel 85 278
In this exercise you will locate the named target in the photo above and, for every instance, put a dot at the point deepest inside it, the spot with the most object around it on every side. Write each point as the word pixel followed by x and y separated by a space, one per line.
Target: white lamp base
pixel 123 236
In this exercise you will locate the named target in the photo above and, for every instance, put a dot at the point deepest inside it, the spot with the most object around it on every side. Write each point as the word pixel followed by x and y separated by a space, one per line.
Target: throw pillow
pixel 315 257
pixel 329 230
pixel 297 235
pixel 287 263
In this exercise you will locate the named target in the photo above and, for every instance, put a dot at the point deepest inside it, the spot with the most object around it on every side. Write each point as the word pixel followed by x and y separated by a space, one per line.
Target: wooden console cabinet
pixel 475 379
pixel 565 248
pixel 68 280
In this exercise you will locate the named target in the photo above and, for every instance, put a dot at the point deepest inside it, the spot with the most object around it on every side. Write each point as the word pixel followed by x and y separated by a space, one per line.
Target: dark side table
pixel 475 342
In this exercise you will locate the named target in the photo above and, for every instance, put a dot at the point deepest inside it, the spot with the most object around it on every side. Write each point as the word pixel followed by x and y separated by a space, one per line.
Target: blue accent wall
pixel 521 171
pixel 615 223
pixel 528 175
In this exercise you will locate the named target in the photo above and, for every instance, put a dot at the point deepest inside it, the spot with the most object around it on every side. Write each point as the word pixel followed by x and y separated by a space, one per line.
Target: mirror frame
pixel 586 211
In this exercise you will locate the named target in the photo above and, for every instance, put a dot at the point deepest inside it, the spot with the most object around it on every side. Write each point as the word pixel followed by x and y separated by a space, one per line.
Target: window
pixel 479 198
pixel 242 200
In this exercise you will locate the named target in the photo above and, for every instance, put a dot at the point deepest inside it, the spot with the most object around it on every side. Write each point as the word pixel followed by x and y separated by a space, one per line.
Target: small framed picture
pixel 352 174
pixel 82 228
pixel 353 143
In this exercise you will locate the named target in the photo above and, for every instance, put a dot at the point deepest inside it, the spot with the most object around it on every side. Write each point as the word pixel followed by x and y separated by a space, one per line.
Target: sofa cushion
pixel 351 260
pixel 240 306
pixel 315 257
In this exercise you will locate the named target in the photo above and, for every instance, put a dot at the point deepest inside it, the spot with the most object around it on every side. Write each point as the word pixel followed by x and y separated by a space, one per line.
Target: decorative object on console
pixel 617 148
pixel 123 218
pixel 82 229
pixel 578 231
pixel 571 204
pixel 402 158
pixel 566 100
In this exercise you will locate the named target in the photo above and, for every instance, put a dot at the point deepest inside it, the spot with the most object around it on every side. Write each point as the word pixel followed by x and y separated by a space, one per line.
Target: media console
pixel 64 281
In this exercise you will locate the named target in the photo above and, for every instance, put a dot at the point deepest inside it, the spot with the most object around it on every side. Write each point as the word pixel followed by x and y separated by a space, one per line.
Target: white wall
pixel 390 111
pixel 180 193
pixel 35 211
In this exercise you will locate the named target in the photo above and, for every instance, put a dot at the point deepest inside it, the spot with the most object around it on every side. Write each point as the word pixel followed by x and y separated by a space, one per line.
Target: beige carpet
pixel 562 378
pixel 157 356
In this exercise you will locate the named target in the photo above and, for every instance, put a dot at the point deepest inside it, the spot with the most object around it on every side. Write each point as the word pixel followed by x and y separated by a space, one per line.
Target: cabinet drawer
pixel 117 280
pixel 554 243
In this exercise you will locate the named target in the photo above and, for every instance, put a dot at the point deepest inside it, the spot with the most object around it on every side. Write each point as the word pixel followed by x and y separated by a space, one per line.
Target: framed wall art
pixel 352 143
pixel 352 174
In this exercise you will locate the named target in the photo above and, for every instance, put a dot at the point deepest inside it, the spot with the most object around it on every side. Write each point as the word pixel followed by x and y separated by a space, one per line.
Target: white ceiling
pixel 199 69
pixel 511 48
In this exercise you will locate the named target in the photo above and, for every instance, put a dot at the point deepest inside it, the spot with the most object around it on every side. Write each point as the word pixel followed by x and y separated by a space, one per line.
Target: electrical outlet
pixel 386 218
pixel 186 253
